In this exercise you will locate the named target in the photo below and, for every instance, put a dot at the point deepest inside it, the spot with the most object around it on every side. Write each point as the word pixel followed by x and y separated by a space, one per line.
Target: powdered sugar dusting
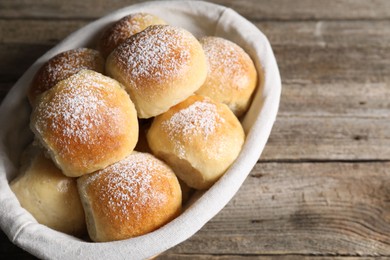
pixel 66 64
pixel 225 62
pixel 77 109
pixel 199 119
pixel 128 26
pixel 72 62
pixel 154 55
pixel 124 188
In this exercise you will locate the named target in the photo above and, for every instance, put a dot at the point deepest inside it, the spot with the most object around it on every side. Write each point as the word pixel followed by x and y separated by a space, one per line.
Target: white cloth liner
pixel 201 19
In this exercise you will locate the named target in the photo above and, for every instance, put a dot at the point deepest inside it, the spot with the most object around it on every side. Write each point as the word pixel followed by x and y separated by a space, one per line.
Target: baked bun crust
pixel 85 122
pixel 129 25
pixel 129 198
pixel 51 197
pixel 198 138
pixel 62 66
pixel 232 76
pixel 159 67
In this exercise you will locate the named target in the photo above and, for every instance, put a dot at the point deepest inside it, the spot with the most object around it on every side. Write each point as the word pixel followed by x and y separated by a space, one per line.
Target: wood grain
pixel 253 9
pixel 329 138
pixel 263 257
pixel 303 208
pixel 300 33
pixel 321 189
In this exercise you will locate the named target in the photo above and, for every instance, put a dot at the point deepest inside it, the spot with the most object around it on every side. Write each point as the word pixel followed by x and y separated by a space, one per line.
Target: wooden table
pixel 322 186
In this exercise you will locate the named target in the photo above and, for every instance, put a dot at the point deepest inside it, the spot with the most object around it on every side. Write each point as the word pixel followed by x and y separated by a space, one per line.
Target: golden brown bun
pixel 231 77
pixel 62 66
pixel 51 197
pixel 86 122
pixel 129 25
pixel 159 67
pixel 130 198
pixel 198 138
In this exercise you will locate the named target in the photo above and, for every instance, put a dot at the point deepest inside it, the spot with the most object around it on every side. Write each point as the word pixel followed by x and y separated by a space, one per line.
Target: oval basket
pixel 201 19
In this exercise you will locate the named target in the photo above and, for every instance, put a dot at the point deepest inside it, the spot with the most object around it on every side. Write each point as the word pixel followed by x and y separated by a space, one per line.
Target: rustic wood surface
pixel 321 188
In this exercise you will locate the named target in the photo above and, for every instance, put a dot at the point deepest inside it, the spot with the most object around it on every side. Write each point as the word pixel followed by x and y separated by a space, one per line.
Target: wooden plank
pixel 253 9
pixel 310 10
pixel 258 257
pixel 327 33
pixel 303 208
pixel 30 31
pixel 21 45
pixel 328 138
pixel 294 33
pixel 338 99
pixel 334 64
pixel 17 58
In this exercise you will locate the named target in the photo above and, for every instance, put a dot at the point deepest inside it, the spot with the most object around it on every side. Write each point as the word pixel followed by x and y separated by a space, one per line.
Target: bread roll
pixel 62 66
pixel 51 197
pixel 159 67
pixel 232 76
pixel 129 25
pixel 198 138
pixel 130 198
pixel 85 122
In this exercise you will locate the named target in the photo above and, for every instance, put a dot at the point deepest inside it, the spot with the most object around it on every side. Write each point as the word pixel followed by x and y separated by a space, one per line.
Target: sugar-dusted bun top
pixel 196 119
pixel 86 122
pixel 160 67
pixel 155 55
pixel 199 138
pixel 122 29
pixel 62 66
pixel 232 76
pixel 130 198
